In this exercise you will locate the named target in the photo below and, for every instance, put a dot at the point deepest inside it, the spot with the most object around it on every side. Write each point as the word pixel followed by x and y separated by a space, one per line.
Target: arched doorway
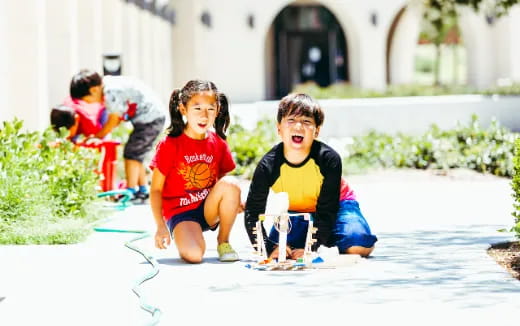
pixel 401 45
pixel 308 45
pixel 411 56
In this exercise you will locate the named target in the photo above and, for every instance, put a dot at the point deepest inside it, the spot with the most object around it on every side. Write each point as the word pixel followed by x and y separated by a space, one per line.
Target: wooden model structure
pixel 281 222
pixel 310 260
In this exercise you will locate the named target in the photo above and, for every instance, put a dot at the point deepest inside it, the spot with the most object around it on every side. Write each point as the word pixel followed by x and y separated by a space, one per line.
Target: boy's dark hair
pixel 62 116
pixel 300 104
pixel 82 82
pixel 185 94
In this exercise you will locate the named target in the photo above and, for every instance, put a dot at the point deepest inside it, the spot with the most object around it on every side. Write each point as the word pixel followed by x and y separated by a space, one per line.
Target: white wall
pixel 228 53
pixel 480 44
pixel 183 44
pixel 24 44
pixel 62 57
pixel 514 41
pixel 90 34
pixel 45 42
pixel 5 111
pixel 112 20
pixel 404 42
pixel 410 115
pixel 507 51
pixel 246 59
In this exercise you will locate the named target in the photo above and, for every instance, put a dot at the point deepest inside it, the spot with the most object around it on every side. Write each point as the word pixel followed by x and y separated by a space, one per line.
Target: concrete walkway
pixel 430 265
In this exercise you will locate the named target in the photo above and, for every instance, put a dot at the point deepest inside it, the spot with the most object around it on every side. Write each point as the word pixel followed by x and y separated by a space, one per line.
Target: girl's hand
pixel 93 141
pixel 241 207
pixel 162 238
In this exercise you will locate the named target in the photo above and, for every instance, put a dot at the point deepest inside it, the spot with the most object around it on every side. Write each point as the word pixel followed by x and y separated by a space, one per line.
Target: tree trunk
pixel 437 66
pixel 455 53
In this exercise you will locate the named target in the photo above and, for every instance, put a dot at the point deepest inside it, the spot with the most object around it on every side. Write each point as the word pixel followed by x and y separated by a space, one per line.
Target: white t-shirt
pixel 132 99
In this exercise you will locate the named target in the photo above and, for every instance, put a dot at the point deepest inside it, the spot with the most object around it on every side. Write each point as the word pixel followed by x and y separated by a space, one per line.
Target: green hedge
pixel 515 183
pixel 345 90
pixel 48 191
pixel 466 146
pixel 249 146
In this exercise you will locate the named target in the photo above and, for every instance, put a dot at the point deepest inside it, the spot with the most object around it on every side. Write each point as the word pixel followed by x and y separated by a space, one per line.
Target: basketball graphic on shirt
pixel 200 175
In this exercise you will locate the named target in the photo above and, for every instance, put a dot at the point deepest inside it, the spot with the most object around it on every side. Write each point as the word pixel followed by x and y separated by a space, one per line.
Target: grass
pixel 45 229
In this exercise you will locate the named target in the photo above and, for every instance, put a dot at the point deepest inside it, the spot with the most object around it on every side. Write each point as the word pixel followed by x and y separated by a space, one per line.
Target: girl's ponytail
pixel 222 120
pixel 176 123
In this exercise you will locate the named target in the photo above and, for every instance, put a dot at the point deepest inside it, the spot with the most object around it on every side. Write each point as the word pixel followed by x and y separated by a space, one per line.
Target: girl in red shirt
pixel 189 193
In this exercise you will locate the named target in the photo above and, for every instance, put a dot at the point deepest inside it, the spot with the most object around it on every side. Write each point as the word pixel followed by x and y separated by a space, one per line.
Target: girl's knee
pixel 229 186
pixel 191 252
pixel 192 256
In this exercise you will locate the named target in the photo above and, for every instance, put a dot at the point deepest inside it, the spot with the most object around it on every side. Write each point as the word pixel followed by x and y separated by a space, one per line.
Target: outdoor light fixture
pixel 112 64
pixel 373 18
pixel 205 18
pixel 490 19
pixel 251 21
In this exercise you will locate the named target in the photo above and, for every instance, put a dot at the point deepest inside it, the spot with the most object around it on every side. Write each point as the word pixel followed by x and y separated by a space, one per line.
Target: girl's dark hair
pixel 300 104
pixel 183 95
pixel 62 116
pixel 82 82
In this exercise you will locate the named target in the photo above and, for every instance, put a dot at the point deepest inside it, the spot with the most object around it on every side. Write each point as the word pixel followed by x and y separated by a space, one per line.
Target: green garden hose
pixel 123 203
pixel 154 311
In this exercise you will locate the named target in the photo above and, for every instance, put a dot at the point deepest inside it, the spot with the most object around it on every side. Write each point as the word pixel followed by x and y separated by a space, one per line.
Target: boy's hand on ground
pixel 297 253
pixel 275 253
pixel 162 238
pixel 291 253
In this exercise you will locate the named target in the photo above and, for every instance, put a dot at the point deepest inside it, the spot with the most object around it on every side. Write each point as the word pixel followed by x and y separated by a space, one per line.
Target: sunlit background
pixel 252 50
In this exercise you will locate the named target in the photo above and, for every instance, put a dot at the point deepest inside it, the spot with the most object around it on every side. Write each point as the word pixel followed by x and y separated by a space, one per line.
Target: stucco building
pixel 252 50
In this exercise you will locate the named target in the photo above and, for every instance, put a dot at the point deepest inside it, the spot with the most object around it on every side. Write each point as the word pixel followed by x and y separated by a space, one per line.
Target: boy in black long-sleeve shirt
pixel 310 172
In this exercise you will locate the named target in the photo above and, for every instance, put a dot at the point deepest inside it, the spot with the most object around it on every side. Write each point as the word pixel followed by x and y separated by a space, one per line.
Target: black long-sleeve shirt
pixel 313 187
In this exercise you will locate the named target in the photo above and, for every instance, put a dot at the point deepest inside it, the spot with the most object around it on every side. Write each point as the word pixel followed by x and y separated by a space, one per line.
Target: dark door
pixel 308 51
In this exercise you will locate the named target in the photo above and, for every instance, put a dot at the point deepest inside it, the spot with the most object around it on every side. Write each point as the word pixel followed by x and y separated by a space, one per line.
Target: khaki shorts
pixel 141 140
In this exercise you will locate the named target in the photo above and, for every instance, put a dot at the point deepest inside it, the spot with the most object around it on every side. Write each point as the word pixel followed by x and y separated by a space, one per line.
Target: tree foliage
pixel 440 16
pixel 496 8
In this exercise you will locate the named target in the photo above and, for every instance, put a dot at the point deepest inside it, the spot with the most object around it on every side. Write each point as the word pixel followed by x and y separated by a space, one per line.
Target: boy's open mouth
pixel 297 139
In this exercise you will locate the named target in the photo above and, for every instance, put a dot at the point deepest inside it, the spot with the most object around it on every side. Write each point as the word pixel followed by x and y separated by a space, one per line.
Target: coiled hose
pixel 154 311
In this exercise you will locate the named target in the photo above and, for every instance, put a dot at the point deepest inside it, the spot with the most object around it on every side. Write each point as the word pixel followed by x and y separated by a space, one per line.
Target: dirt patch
pixel 507 255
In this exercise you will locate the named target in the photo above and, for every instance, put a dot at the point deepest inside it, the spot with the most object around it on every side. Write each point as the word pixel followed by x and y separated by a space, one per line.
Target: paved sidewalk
pixel 429 266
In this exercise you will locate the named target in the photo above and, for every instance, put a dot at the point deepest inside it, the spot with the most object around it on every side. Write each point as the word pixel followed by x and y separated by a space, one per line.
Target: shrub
pixel 48 192
pixel 515 183
pixel 345 90
pixel 423 64
pixel 249 146
pixel 485 150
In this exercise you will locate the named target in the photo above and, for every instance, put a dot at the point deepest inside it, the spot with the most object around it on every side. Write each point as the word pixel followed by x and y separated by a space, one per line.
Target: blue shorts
pixel 351 229
pixel 194 215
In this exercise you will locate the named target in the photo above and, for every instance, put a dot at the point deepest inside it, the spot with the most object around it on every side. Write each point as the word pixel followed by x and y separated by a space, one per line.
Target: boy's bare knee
pixel 358 250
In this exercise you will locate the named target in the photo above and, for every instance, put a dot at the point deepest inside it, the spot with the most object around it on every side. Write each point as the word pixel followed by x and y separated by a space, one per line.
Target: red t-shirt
pixel 90 115
pixel 191 167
